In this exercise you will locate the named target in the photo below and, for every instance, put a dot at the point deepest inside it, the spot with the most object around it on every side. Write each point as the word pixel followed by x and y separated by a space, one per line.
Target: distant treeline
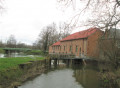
pixel 12 43
pixel 47 36
pixel 36 52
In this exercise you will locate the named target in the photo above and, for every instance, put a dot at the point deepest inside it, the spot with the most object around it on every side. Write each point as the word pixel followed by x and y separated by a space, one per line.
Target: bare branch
pixel 118 2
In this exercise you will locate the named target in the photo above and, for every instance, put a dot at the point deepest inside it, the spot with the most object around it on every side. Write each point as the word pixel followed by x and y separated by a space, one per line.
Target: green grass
pixel 34 52
pixel 1 50
pixel 10 71
pixel 13 62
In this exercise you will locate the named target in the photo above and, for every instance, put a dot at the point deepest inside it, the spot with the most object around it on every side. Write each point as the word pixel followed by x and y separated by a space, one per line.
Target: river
pixel 66 77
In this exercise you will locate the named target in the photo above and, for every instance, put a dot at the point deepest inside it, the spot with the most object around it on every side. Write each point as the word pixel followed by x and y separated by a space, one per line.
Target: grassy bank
pixel 10 70
pixel 36 52
pixel 12 63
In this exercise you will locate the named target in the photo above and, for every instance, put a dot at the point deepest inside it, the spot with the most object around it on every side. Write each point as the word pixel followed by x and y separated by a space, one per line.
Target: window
pixel 60 48
pixel 70 48
pixel 76 48
pixel 64 48
pixel 80 50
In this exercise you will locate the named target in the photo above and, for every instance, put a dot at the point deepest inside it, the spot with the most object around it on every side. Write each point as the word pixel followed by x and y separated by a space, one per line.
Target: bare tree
pixel 2 44
pixel 109 45
pixel 102 13
pixel 64 30
pixel 11 42
pixel 21 45
pixel 51 34
pixel 47 36
pixel 37 45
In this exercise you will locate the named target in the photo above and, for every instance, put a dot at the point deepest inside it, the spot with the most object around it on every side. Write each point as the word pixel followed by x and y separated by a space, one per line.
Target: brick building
pixel 80 44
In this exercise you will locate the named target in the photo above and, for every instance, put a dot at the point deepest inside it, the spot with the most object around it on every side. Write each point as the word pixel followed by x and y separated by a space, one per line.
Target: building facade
pixel 80 44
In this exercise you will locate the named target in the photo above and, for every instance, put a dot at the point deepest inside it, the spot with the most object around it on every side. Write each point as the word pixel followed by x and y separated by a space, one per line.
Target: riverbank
pixel 14 71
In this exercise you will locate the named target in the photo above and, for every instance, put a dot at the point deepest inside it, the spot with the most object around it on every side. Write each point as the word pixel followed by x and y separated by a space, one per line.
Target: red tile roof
pixel 56 44
pixel 78 35
pixel 81 34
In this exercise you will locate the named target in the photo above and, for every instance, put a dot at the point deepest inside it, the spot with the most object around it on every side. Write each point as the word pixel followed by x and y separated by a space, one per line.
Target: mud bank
pixel 16 76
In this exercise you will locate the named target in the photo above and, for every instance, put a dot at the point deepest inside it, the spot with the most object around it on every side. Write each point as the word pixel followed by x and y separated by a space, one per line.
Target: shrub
pixel 34 52
pixel 2 51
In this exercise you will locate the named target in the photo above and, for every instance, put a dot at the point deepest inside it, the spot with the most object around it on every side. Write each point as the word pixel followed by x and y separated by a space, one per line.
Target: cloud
pixel 25 18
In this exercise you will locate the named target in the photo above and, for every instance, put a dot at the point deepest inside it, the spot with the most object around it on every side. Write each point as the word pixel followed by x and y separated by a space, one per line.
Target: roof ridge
pixel 77 35
pixel 80 34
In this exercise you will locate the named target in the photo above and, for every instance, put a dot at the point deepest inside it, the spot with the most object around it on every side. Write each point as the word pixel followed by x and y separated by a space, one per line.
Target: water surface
pixel 66 77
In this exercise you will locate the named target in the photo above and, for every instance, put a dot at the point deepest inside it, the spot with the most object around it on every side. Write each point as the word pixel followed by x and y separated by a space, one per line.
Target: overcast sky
pixel 25 18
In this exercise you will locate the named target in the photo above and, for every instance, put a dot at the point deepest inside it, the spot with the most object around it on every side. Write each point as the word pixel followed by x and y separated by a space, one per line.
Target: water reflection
pixel 87 77
pixel 63 77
